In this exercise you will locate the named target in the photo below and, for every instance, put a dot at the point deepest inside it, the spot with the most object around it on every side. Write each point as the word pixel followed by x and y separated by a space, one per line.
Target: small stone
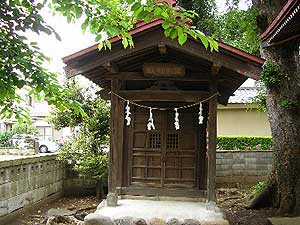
pixel 139 221
pixel 157 221
pixel 190 222
pixel 124 221
pixel 80 215
pixel 97 219
pixel 59 212
pixel 112 199
pixel 216 222
pixel 60 220
pixel 173 221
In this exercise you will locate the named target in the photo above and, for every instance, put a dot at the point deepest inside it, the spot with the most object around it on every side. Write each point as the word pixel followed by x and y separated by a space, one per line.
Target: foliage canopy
pixel 21 62
pixel 238 28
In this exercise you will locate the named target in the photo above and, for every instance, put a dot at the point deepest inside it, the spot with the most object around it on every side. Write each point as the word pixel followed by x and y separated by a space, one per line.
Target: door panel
pixel 164 157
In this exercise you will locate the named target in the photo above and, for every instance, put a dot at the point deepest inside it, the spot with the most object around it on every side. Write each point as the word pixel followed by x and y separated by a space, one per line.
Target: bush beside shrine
pixel 244 143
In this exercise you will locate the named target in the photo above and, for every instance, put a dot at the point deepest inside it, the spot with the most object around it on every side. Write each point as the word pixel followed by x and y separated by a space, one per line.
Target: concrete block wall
pixel 245 167
pixel 25 181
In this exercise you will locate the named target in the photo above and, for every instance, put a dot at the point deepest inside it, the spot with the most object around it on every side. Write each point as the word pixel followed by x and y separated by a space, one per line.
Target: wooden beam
pixel 116 139
pixel 212 136
pixel 156 95
pixel 162 48
pixel 140 76
pixel 111 67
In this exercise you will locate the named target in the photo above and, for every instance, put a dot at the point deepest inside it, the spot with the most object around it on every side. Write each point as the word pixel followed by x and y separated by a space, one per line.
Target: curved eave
pixel 140 27
pixel 290 11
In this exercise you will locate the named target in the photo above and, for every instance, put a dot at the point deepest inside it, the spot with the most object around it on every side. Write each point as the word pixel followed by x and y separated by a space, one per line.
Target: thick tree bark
pixel 283 189
pixel 285 126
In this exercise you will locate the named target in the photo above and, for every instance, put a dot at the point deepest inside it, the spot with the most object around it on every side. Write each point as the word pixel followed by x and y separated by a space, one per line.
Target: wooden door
pixel 180 155
pixel 164 157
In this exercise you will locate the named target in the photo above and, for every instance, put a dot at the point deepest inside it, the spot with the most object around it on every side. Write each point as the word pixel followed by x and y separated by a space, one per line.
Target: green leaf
pixel 173 33
pixel 136 6
pixel 157 12
pixel 182 37
pixel 85 24
pixel 98 37
pixel 166 25
pixel 125 42
pixel 168 31
pixel 100 45
pixel 203 40
pixel 108 44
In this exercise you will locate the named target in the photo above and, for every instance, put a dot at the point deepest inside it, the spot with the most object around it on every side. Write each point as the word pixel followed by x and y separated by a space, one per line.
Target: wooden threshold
pixel 168 192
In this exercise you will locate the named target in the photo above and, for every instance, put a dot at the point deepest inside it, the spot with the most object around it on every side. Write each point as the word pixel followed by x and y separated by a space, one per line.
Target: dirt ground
pixel 86 204
pixel 231 200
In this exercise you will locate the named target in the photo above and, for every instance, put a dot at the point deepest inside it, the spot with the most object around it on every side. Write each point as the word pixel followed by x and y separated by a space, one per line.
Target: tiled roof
pixel 243 95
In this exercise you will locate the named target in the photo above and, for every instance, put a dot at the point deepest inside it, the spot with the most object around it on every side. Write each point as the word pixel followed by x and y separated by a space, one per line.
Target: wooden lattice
pixel 154 140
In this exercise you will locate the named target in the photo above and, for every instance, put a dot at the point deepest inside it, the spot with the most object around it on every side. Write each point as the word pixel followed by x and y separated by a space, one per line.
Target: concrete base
pixel 165 210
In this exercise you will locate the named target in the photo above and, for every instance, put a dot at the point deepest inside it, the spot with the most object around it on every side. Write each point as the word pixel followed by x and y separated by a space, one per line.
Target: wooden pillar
pixel 212 137
pixel 116 138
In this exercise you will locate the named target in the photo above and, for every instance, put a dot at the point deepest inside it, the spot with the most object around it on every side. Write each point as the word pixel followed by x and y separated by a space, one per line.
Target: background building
pixel 241 117
pixel 39 111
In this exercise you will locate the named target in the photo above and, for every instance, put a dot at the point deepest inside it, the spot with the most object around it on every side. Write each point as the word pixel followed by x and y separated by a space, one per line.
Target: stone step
pixel 98 219
pixel 283 221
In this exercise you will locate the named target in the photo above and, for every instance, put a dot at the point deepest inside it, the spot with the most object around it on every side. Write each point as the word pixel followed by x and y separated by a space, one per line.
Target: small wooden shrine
pixel 173 83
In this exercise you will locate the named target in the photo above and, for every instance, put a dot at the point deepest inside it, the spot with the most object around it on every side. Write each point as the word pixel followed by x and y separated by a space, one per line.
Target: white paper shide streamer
pixel 200 118
pixel 176 123
pixel 150 125
pixel 127 114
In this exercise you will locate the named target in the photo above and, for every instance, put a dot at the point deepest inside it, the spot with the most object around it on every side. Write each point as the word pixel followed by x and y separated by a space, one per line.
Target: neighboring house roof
pixel 286 25
pixel 243 95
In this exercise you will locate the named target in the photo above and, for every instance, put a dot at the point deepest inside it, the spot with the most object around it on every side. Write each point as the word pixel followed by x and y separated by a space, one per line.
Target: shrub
pixel 244 143
pixel 5 139
pixel 24 128
pixel 258 188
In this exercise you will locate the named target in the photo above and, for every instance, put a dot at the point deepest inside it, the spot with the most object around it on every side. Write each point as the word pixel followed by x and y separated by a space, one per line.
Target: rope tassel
pixel 150 125
pixel 127 114
pixel 200 118
pixel 176 123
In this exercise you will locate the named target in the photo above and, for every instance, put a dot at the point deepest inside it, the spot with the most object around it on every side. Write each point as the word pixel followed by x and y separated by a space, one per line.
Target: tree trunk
pixel 283 189
pixel 285 126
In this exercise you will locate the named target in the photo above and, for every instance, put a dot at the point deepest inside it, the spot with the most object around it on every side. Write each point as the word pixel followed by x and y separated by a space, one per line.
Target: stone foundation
pixel 149 212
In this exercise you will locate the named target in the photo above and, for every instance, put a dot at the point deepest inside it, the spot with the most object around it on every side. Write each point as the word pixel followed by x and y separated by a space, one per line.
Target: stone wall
pixel 27 180
pixel 244 167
